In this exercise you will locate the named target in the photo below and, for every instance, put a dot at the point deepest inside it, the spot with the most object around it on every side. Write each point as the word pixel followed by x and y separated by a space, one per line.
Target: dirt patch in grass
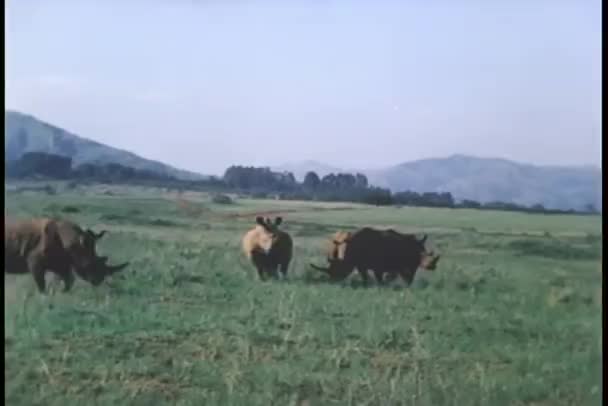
pixel 270 213
pixel 553 248
pixel 136 219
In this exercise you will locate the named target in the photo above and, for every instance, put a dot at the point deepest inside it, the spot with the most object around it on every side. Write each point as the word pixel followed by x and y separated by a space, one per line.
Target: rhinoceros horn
pixel 116 268
pixel 110 269
pixel 319 268
pixel 332 264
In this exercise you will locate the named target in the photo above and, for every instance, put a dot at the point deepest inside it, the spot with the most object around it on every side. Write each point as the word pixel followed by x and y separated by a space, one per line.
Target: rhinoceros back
pixel 382 249
pixel 22 239
pixel 282 249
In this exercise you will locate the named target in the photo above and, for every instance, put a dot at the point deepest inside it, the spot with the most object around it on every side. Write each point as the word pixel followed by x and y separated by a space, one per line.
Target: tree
pixel 42 164
pixel 408 198
pixel 346 181
pixel 590 208
pixel 311 181
pixel 261 179
pixel 360 180
pixel 471 204
pixel 378 196
pixel 538 208
pixel 329 182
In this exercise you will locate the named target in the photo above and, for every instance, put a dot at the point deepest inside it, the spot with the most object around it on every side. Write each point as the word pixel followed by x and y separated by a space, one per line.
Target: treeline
pixel 341 187
pixel 40 165
pixel 43 165
pixel 258 182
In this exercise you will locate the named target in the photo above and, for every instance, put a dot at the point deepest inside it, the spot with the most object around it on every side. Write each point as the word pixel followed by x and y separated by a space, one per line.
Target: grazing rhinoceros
pixel 60 246
pixel 381 251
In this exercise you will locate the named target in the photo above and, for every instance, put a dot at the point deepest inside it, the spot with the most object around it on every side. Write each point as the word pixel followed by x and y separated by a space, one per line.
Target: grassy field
pixel 510 317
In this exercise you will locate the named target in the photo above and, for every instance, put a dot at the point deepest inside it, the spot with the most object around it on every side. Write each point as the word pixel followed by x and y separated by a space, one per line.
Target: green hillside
pixel 24 133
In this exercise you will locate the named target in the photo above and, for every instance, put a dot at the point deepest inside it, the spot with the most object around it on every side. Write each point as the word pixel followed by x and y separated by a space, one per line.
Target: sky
pixel 202 85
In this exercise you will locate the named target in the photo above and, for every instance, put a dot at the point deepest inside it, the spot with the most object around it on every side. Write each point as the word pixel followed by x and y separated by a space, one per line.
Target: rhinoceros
pixel 268 247
pixel 381 251
pixel 60 246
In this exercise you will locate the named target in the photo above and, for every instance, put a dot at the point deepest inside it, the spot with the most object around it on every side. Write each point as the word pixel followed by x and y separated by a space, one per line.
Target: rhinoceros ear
pixel 94 235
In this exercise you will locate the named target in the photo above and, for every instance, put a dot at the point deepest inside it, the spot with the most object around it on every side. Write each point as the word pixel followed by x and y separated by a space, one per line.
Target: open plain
pixel 510 317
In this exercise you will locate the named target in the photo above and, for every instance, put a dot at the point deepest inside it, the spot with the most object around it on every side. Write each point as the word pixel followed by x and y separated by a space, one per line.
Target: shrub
pixel 222 199
pixel 70 209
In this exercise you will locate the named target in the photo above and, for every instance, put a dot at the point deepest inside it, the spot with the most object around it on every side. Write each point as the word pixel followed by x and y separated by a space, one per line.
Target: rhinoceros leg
pixel 68 281
pixel 37 268
pixel 407 275
pixel 379 275
pixel 392 276
pixel 67 276
pixel 259 261
pixel 283 268
pixel 364 275
pixel 261 272
pixel 271 269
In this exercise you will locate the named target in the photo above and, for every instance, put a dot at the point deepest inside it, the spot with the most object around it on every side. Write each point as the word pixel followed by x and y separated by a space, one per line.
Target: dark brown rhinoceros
pixel 60 246
pixel 381 251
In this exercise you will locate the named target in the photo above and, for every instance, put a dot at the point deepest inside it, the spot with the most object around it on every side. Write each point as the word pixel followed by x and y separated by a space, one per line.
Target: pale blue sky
pixel 205 84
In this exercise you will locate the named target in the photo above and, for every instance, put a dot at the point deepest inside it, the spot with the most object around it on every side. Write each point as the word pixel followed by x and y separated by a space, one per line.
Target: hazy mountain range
pixel 483 180
pixel 466 177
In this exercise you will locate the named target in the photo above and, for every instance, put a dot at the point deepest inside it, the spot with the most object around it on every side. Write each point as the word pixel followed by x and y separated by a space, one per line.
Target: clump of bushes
pixel 70 209
pixel 222 199
pixel 163 223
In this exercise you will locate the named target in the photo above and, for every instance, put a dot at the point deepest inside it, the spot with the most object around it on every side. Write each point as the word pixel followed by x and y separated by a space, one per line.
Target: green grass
pixel 510 317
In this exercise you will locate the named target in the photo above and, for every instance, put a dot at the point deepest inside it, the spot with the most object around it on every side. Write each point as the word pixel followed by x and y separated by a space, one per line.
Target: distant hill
pixel 24 133
pixel 465 177
pixel 490 179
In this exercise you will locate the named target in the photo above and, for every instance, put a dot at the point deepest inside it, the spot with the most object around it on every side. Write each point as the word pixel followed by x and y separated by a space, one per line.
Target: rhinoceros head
pixel 88 264
pixel 428 259
pixel 269 232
